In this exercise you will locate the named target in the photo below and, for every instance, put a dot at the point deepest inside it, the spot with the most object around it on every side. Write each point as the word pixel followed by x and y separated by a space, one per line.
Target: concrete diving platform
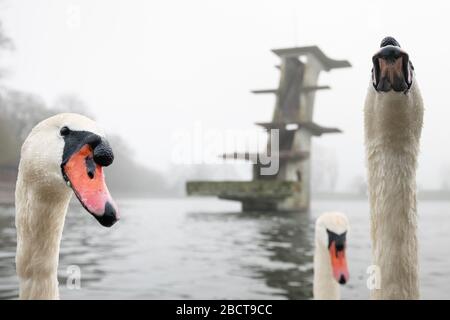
pixel 254 195
pixel 287 189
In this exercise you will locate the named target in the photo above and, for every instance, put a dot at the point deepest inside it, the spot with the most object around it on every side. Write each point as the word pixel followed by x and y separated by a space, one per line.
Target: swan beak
pixel 392 70
pixel 86 178
pixel 339 263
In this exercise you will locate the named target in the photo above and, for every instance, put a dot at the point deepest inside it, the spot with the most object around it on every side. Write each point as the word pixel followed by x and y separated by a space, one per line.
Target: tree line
pixel 20 111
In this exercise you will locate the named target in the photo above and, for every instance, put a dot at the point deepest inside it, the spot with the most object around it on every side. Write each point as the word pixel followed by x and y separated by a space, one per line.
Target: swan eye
pixel 64 131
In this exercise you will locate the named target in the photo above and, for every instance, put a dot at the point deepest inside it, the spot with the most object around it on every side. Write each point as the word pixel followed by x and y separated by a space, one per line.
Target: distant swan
pixel 330 264
pixel 62 154
pixel 393 123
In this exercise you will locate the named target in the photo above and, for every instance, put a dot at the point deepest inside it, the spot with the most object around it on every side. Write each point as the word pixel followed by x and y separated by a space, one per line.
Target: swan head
pixel 392 70
pixel 331 235
pixel 66 153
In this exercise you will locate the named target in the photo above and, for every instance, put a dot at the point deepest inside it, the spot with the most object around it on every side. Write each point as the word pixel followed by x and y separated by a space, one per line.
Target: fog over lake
pixel 170 82
pixel 147 69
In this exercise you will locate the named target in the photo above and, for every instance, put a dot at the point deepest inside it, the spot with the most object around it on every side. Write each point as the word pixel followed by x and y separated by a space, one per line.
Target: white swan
pixel 330 264
pixel 393 117
pixel 62 151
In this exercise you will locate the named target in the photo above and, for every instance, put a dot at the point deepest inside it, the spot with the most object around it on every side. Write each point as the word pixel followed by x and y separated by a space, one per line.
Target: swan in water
pixel 393 116
pixel 63 154
pixel 330 264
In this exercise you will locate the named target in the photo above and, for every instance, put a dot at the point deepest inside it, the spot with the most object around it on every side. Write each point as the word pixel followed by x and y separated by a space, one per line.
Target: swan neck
pixel 392 130
pixel 394 227
pixel 40 216
pixel 325 286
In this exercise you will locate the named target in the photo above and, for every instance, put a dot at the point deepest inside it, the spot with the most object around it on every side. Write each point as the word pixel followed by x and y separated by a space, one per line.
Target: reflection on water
pixel 286 239
pixel 273 249
pixel 181 249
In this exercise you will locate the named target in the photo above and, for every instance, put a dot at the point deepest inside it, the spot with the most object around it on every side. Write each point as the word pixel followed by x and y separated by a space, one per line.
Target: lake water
pixel 207 249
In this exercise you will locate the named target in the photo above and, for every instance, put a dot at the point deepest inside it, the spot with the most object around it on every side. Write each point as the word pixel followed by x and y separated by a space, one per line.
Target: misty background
pixel 145 70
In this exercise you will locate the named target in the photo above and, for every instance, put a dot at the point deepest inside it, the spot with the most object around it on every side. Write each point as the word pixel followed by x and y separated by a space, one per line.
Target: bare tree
pixel 5 42
pixel 71 103
pixel 9 153
pixel 21 111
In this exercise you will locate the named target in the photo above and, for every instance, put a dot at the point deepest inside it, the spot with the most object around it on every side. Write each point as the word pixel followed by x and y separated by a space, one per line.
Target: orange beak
pixel 87 181
pixel 339 264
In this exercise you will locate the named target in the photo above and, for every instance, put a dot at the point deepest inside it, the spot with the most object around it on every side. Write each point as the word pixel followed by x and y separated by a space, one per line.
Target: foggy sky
pixel 149 67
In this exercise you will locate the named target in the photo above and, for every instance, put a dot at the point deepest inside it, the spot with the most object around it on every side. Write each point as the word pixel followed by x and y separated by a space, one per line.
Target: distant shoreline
pixel 7 196
pixel 425 195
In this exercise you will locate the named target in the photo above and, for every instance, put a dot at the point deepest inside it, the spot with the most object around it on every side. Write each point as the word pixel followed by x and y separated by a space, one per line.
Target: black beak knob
pixel 389 41
pixel 103 154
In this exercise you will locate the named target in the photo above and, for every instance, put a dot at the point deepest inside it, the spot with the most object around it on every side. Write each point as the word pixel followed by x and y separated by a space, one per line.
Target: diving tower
pixel 289 188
